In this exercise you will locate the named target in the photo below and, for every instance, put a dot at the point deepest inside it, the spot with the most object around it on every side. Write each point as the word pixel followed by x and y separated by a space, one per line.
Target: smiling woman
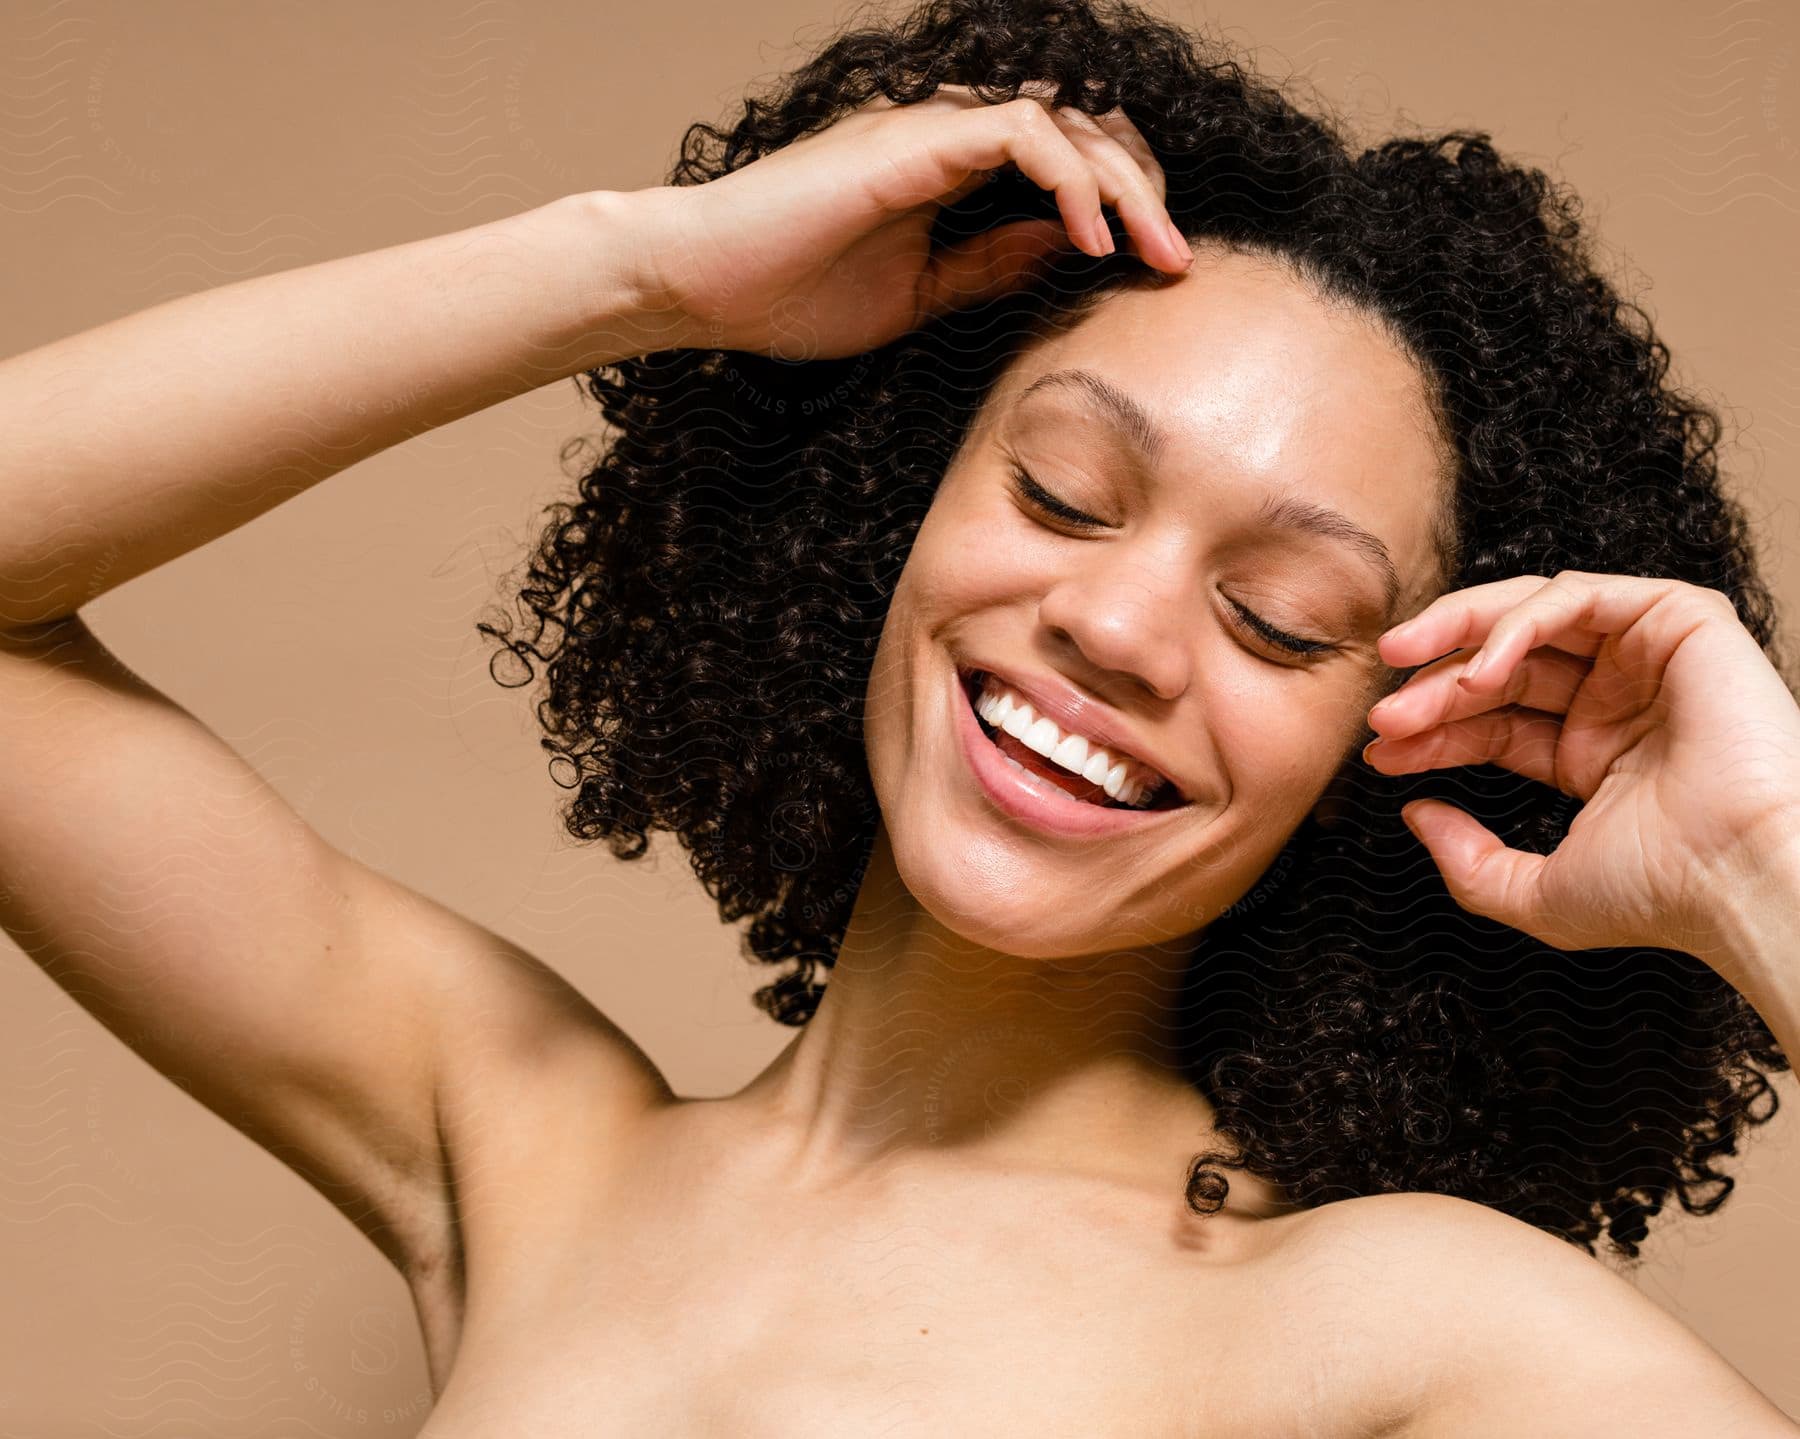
pixel 1001 574
pixel 1174 508
pixel 994 611
pixel 1152 620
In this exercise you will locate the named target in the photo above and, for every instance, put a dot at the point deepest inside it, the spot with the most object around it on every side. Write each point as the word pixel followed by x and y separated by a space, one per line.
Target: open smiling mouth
pixel 1150 791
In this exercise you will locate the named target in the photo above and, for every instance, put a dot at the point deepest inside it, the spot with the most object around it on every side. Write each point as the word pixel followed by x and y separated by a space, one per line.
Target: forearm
pixel 1754 941
pixel 145 437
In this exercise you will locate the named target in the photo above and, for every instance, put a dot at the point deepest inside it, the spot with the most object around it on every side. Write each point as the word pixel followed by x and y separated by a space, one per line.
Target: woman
pixel 914 508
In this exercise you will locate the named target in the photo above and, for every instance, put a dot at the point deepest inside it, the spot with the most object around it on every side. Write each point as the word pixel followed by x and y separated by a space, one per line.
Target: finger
pixel 1117 124
pixel 940 145
pixel 1574 610
pixel 1521 740
pixel 1114 122
pixel 1128 188
pixel 1481 873
pixel 1547 680
pixel 1027 135
pixel 1454 619
pixel 991 264
pixel 977 178
pixel 1075 156
pixel 1644 617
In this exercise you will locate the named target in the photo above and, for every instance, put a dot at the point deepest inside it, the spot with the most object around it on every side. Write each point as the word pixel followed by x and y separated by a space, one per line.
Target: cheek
pixel 1282 745
pixel 911 629
pixel 887 673
pixel 963 567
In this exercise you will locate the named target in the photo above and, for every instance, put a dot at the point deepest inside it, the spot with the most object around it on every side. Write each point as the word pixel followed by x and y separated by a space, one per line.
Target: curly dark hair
pixel 718 588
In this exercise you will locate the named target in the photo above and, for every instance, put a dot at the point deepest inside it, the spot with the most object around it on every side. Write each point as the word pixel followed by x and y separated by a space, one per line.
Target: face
pixel 1197 587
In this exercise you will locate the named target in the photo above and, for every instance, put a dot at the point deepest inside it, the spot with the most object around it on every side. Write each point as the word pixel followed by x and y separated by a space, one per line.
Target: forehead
pixel 1260 386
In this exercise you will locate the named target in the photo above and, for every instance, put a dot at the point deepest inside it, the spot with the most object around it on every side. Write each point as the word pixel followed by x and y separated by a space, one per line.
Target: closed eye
pixel 1293 644
pixel 1042 500
pixel 1039 498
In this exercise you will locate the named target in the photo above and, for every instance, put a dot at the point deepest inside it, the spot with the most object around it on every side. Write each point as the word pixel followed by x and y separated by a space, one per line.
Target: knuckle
pixel 1567 587
pixel 1129 136
pixel 1717 598
pixel 1026 113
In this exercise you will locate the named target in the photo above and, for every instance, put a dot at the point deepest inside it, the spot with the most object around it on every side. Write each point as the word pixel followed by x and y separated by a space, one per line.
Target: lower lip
pixel 1035 801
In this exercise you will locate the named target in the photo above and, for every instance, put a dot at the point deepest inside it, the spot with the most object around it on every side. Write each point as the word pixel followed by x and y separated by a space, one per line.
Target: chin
pixel 985 890
pixel 981 898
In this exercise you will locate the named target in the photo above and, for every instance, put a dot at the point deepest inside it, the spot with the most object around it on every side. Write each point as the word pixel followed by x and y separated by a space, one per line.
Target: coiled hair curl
pixel 708 609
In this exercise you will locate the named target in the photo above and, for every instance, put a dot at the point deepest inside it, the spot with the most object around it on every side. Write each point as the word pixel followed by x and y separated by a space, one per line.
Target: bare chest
pixel 899 1332
pixel 679 1305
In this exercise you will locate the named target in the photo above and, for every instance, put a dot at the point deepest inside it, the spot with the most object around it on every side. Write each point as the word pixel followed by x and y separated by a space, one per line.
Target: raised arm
pixel 147 436
pixel 347 1023
pixel 145 866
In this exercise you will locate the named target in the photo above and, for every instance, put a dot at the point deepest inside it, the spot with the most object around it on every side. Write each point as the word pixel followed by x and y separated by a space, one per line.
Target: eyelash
pixel 1039 498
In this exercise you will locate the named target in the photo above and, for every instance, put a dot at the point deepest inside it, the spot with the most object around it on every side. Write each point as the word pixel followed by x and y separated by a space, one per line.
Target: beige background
pixel 164 1276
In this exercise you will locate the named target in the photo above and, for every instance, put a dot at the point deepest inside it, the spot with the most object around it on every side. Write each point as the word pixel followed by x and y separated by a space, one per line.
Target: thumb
pixel 990 265
pixel 1481 873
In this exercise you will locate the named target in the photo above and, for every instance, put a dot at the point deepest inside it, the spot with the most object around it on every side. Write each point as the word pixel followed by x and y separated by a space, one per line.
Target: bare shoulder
pixel 520 1041
pixel 510 1051
pixel 525 1066
pixel 1497 1328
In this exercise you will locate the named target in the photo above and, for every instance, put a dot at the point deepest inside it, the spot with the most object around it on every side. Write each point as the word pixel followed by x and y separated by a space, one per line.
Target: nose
pixel 1126 623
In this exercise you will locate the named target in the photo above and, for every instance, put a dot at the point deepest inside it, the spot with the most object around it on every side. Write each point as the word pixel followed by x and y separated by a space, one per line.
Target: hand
pixel 820 249
pixel 1648 700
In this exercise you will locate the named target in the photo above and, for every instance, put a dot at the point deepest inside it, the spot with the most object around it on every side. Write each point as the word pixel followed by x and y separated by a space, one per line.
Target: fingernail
pixel 1179 241
pixel 1107 243
pixel 1473 667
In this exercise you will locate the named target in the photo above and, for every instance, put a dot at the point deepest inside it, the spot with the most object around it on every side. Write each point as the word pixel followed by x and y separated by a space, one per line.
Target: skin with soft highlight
pixel 1298 1102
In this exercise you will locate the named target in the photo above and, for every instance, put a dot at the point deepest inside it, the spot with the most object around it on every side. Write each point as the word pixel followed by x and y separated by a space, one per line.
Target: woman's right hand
pixel 821 249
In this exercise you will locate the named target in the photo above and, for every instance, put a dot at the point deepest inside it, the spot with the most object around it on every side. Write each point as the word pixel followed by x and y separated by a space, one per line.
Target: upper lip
pixel 1077 713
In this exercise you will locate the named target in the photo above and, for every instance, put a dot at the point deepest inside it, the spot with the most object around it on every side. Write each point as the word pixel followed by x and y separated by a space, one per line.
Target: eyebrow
pixel 1289 512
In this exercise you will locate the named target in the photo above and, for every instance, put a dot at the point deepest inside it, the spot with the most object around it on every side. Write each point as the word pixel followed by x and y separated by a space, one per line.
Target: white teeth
pixel 1042 736
pixel 1071 754
pixel 1005 711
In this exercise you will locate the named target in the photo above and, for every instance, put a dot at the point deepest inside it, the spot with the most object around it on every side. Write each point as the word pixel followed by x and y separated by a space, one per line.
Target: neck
pixel 926 1044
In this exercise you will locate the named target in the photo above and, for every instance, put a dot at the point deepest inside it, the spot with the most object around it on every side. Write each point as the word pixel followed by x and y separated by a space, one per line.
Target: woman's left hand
pixel 1648 700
